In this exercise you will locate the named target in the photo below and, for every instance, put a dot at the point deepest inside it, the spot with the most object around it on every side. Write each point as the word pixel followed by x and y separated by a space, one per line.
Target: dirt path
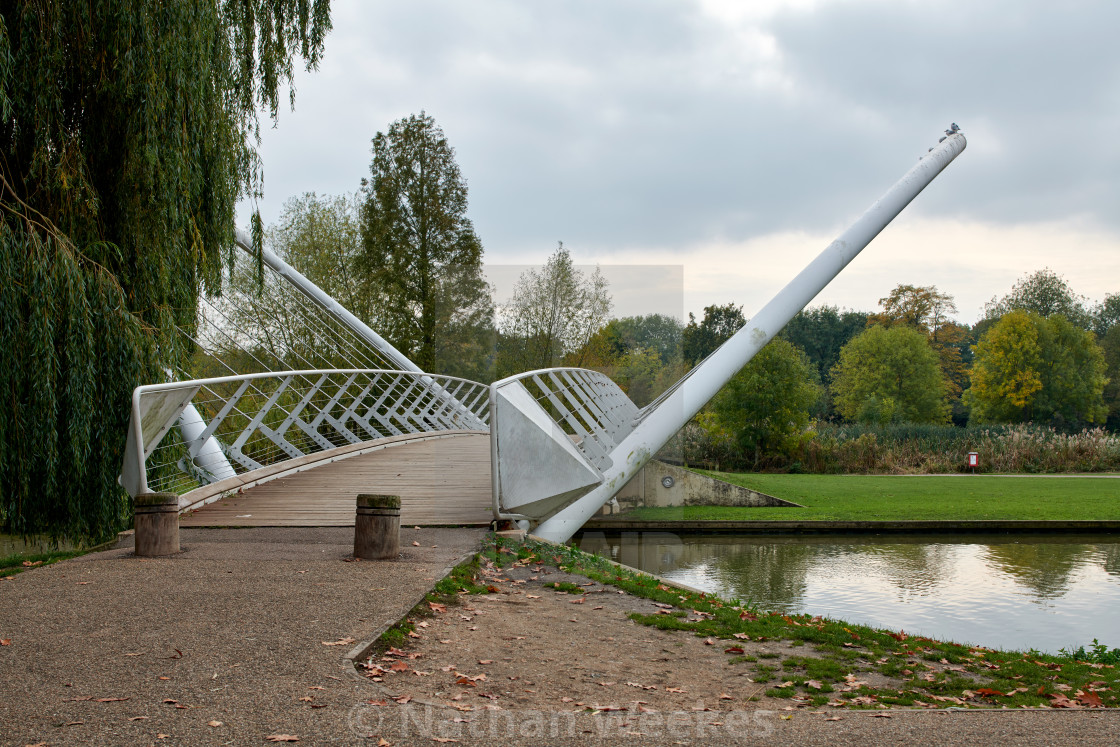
pixel 529 661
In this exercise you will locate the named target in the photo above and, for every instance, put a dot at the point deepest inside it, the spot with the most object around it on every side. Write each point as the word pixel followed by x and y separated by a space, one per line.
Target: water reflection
pixel 1025 591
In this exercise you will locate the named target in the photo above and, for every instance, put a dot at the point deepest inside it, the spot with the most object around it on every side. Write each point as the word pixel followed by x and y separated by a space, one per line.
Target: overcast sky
pixel 734 140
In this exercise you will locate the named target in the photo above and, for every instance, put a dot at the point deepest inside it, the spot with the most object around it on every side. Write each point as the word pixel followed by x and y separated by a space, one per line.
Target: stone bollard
pixel 157 524
pixel 377 527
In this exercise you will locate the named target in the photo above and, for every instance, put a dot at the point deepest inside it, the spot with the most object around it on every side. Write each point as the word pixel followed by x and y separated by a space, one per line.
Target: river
pixel 1027 591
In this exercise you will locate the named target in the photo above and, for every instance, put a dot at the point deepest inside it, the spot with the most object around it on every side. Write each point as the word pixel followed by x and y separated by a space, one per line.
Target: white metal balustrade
pixel 554 435
pixel 265 422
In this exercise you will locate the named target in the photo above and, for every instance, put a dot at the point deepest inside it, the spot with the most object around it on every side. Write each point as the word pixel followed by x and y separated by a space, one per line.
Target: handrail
pixel 236 424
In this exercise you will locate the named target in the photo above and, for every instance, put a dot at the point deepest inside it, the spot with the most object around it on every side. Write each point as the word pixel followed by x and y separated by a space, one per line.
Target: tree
pixel 1110 347
pixel 821 332
pixel 128 138
pixel 698 341
pixel 419 250
pixel 928 310
pixel 1106 314
pixel 765 407
pixel 1029 368
pixel 552 312
pixel 890 375
pixel 656 332
pixel 1045 293
pixel 322 238
pixel 642 354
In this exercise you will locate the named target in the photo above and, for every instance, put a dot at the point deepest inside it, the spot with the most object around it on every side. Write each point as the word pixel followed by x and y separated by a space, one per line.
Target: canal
pixel 1028 591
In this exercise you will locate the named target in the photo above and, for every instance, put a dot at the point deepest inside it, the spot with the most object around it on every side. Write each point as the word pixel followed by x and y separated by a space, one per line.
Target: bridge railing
pixel 555 433
pixel 231 426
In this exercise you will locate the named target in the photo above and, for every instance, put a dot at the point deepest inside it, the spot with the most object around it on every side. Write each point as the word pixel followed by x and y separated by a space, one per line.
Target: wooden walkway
pixel 443 480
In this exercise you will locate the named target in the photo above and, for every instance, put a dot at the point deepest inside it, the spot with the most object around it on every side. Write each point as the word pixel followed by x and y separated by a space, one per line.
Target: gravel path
pixel 231 630
pixel 112 649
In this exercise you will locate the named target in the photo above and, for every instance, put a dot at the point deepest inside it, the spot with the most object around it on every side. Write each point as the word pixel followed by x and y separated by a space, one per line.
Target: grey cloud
pixel 637 123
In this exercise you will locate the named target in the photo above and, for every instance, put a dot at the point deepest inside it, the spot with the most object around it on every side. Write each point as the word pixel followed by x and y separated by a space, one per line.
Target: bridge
pixel 309 407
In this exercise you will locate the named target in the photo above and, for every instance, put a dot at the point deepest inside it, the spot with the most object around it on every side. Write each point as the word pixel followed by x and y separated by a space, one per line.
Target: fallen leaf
pixel 880 715
pixel 1057 700
pixel 987 691
pixel 214 724
pixel 306 699
pixel 674 690
pixel 5 641
pixel 733 650
pixel 444 740
pixel 398 666
pixel 581 600
pixel 835 718
pixel 814 684
pixel 339 642
pixel 415 543
pixel 1091 699
pixel 742 636
pixel 725 696
pixel 413 634
pixel 139 718
pixel 709 642
pixel 109 700
pixel 383 743
pixel 281 738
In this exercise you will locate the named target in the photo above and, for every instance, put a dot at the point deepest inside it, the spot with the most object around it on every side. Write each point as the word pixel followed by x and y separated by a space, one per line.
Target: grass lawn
pixel 891 498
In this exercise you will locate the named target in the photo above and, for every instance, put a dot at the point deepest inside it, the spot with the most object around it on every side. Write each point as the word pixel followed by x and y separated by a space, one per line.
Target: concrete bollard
pixel 157 524
pixel 377 527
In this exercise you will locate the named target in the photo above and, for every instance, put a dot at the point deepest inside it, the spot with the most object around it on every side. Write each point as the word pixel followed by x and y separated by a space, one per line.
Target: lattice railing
pixel 234 425
pixel 585 404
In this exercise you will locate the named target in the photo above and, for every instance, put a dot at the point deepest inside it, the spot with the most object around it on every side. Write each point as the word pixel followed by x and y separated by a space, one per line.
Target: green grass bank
pixel 911 498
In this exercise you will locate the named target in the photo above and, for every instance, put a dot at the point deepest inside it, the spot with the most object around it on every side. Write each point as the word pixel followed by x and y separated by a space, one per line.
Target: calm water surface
pixel 1004 591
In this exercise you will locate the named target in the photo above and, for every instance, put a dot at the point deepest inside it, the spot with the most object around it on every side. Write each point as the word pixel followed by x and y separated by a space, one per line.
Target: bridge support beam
pixel 704 382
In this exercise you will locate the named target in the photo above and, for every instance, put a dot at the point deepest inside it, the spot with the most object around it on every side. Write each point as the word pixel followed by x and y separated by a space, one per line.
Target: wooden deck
pixel 441 480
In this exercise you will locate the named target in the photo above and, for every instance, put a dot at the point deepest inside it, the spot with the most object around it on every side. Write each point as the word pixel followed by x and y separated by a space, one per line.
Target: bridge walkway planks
pixel 441 481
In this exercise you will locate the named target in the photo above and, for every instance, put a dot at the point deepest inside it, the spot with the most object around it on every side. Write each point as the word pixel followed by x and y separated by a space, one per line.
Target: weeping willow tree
pixel 129 132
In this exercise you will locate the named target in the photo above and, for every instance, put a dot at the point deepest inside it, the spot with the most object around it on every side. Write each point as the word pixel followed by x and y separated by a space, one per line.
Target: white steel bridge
pixel 308 407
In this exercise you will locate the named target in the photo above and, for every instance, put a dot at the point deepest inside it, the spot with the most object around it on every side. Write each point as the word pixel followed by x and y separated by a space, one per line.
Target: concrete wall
pixel 648 488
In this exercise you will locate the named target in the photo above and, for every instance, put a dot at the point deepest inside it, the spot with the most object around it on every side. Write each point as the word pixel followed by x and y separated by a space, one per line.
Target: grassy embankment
pixel 14 564
pixel 901 498
pixel 833 656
